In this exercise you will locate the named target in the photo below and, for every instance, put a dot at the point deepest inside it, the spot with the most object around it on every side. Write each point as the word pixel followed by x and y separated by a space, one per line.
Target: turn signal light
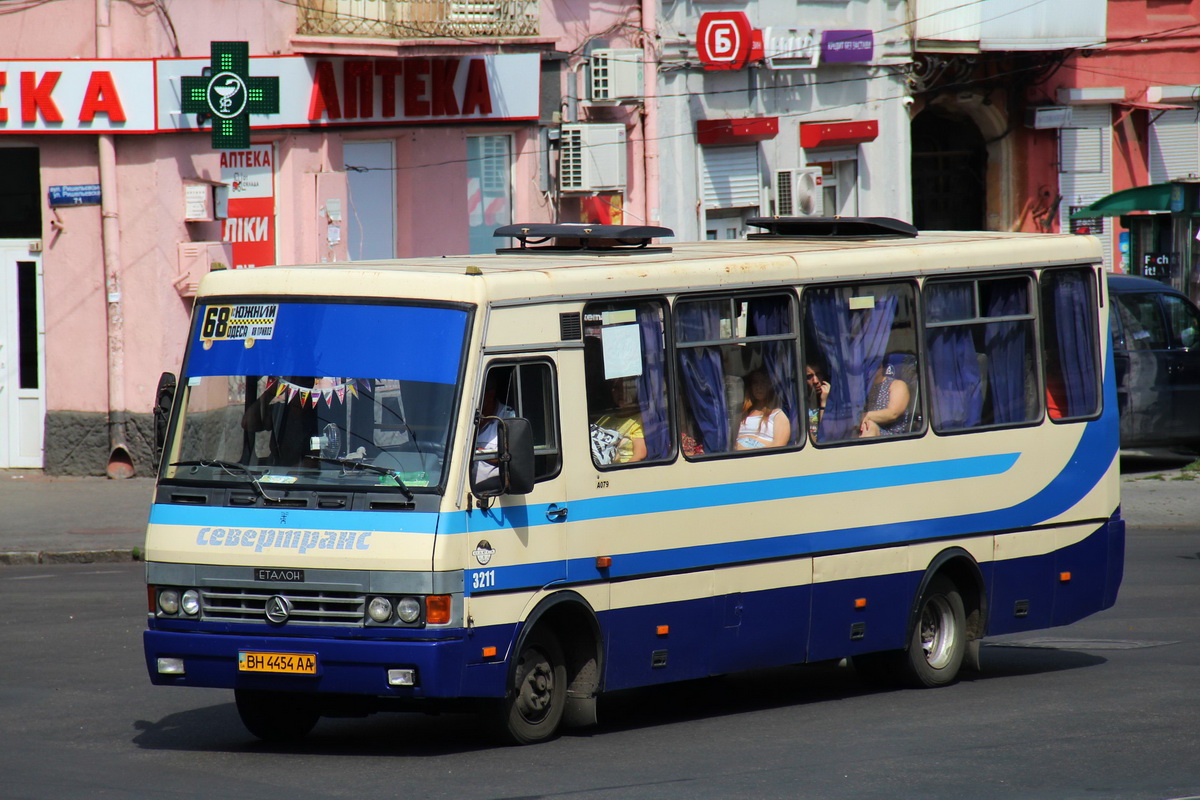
pixel 437 609
pixel 1065 577
pixel 663 630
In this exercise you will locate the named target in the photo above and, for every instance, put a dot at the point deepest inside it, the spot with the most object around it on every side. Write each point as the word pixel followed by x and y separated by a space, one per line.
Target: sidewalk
pixel 58 520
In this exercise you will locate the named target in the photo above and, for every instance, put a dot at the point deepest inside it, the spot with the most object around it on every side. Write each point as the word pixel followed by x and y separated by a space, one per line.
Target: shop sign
pixel 846 47
pixel 249 225
pixel 147 96
pixel 791 48
pixel 723 40
pixel 230 95
pixel 1085 226
pixel 1160 266
pixel 337 91
pixel 76 96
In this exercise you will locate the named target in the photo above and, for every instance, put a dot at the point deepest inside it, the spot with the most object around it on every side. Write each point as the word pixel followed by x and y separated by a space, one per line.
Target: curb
pixel 33 558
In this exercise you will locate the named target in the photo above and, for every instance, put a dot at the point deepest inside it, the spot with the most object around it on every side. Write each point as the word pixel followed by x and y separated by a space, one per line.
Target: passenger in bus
pixel 888 412
pixel 282 409
pixel 817 387
pixel 487 440
pixel 618 436
pixel 763 423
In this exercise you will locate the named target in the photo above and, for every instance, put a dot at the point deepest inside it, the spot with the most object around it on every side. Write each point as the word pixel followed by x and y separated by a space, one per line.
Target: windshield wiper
pixel 355 464
pixel 232 468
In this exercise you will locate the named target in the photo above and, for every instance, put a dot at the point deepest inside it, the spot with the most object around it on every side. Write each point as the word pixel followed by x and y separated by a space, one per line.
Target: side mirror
pixel 164 398
pixel 513 462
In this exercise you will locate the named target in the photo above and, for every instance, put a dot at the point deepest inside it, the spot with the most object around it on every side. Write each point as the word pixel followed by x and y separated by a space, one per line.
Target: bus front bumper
pixel 401 669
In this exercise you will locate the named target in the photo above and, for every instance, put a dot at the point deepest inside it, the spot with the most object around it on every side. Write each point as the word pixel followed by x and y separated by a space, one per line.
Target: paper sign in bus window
pixel 622 351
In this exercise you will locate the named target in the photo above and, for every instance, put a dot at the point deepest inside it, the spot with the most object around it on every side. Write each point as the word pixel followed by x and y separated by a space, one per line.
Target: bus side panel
pixel 860 615
pixel 1082 573
pixel 640 652
pixel 1022 594
pixel 761 629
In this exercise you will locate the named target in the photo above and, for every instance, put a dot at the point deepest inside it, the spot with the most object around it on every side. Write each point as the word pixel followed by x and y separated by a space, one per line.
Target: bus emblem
pixel 278 609
pixel 483 552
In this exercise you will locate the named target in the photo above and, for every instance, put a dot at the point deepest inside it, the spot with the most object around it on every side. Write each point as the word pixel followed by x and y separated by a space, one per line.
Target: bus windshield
pixel 332 394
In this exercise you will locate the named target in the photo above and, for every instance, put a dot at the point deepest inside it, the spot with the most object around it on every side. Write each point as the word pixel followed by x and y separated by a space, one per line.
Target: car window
pixel 1183 319
pixel 1143 323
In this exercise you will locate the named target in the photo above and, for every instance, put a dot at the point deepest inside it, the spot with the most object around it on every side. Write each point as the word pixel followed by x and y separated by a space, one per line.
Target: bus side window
pixel 738 386
pixel 981 345
pixel 1072 358
pixel 626 382
pixel 522 389
pixel 865 337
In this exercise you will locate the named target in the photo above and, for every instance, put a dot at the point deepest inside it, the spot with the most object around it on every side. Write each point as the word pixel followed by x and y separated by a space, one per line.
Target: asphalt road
pixel 1105 708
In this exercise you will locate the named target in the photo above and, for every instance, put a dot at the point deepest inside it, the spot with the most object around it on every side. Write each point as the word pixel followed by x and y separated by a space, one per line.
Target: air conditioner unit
pixel 799 192
pixel 615 75
pixel 592 158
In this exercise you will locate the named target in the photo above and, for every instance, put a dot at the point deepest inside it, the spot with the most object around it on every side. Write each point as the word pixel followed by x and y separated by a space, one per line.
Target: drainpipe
pixel 649 11
pixel 120 464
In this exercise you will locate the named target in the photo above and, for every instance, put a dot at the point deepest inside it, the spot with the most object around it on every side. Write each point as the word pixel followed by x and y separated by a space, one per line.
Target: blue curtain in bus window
pixel 652 385
pixel 1076 348
pixel 703 374
pixel 1006 345
pixel 957 386
pixel 853 343
pixel 771 316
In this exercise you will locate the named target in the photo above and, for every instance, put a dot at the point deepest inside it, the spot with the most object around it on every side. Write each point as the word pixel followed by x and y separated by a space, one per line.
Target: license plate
pixel 284 663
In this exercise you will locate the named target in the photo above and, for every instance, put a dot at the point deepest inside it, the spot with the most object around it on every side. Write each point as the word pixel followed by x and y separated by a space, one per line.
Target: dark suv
pixel 1156 343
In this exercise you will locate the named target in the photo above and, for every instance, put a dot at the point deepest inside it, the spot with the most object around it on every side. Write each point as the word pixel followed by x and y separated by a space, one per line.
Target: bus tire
pixel 939 636
pixel 276 717
pixel 533 707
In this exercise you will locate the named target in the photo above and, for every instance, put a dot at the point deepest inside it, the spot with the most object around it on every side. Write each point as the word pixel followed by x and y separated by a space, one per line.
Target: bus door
pixel 517 542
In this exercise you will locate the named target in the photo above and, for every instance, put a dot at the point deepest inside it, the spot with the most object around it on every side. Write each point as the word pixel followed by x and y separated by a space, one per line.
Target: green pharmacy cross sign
pixel 230 95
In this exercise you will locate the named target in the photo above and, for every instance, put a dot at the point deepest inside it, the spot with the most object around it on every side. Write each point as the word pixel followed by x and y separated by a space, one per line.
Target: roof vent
pixel 830 228
pixel 583 237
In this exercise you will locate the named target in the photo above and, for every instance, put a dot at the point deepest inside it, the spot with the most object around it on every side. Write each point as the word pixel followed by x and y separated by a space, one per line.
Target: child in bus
pixel 817 390
pixel 763 422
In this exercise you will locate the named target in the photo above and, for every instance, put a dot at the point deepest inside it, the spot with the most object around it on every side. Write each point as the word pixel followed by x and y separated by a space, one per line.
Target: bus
pixel 591 462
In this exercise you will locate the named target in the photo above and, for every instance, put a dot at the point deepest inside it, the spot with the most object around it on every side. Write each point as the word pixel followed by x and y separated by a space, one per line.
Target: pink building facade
pixel 399 134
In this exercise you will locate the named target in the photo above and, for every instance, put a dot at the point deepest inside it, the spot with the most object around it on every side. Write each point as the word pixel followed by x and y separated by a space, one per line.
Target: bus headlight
pixel 409 609
pixel 190 602
pixel 380 609
pixel 168 601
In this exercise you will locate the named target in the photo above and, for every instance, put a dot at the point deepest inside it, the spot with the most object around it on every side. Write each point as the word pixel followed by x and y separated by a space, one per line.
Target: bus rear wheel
pixel 276 717
pixel 533 707
pixel 939 637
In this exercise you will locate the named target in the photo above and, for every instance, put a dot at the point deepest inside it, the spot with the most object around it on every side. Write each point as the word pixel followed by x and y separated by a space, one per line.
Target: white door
pixel 22 358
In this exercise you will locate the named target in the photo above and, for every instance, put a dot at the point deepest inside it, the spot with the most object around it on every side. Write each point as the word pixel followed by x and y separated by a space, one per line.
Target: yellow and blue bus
pixel 591 462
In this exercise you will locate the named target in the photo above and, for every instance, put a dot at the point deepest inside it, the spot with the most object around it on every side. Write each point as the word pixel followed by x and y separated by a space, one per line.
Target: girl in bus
pixel 763 422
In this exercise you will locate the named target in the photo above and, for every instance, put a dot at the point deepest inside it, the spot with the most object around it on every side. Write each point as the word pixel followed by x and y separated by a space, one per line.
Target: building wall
pixel 430 189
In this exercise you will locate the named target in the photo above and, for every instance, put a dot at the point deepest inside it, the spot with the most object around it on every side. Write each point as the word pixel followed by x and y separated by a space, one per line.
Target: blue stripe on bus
pixel 732 494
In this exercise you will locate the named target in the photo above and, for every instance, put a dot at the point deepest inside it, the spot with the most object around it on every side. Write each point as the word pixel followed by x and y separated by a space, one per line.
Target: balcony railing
pixel 419 19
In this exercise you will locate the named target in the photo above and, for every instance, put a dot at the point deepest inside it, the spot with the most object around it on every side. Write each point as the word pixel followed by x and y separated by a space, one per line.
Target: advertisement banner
pixel 249 176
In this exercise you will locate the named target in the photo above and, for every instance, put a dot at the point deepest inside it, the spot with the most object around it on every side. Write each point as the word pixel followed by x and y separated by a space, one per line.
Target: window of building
pixel 862 340
pixel 737 374
pixel 489 188
pixel 626 375
pixel 982 352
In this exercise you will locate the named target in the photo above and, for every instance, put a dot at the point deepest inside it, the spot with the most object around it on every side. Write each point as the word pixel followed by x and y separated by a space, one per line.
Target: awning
pixel 1155 197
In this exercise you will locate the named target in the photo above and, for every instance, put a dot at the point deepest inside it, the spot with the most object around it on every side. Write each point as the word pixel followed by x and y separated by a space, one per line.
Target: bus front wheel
pixel 939 637
pixel 276 716
pixel 533 707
